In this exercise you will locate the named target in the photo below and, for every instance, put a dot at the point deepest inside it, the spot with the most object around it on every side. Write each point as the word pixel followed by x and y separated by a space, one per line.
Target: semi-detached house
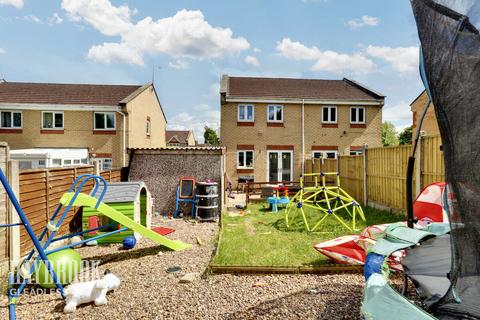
pixel 99 121
pixel 271 125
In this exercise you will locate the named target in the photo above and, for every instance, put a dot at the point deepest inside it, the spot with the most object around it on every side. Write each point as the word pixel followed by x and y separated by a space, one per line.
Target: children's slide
pixel 84 200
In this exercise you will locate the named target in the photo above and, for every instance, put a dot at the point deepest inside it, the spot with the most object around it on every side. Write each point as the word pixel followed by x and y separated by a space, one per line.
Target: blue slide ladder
pixel 27 268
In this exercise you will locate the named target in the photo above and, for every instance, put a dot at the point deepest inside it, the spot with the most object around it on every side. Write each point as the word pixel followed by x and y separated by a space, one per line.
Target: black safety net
pixel 450 43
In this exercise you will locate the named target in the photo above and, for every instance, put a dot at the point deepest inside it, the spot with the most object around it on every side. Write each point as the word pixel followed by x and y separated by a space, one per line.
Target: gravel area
pixel 147 291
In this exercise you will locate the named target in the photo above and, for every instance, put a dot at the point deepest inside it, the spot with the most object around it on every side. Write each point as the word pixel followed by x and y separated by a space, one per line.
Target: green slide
pixel 84 200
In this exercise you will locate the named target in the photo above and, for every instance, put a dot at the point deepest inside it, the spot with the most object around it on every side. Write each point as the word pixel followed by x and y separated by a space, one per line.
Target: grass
pixel 261 238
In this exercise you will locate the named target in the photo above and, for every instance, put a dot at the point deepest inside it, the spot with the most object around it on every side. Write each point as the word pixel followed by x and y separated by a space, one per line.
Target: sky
pixel 186 46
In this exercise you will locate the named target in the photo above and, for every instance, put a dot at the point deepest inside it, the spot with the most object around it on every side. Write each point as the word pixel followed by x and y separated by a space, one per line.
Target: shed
pixel 129 198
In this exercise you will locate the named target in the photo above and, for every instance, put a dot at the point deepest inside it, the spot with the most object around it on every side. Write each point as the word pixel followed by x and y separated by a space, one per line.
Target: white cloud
pixel 363 21
pixel 115 52
pixel 398 114
pixel 325 60
pixel 178 64
pixel 15 3
pixel 55 19
pixel 205 115
pixel 185 35
pixel 257 50
pixel 252 61
pixel 30 18
pixel 402 59
pixel 2 50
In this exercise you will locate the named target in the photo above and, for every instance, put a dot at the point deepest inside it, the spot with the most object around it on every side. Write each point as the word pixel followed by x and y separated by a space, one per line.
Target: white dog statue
pixel 85 292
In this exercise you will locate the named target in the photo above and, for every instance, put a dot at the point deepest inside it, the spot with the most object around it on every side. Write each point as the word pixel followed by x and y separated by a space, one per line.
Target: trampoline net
pixel 450 43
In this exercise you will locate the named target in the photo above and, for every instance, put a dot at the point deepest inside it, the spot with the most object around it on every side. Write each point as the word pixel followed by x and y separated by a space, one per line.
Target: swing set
pixel 327 199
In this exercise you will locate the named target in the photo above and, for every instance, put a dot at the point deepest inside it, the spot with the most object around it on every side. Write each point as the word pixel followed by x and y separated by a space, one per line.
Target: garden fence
pixel 378 177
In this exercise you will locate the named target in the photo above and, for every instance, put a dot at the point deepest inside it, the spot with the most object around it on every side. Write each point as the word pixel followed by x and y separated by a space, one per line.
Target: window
pixel 106 164
pixel 275 113
pixel 356 152
pixel 76 161
pixel 25 165
pixel 357 115
pixel 329 114
pixel 245 113
pixel 11 119
pixel 84 161
pixel 104 121
pixel 327 154
pixel 52 120
pixel 148 127
pixel 41 163
pixel 56 162
pixel 67 162
pixel 245 159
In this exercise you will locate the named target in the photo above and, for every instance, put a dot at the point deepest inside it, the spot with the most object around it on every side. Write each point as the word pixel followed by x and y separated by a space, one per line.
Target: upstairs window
pixel 357 115
pixel 327 154
pixel 245 159
pixel 11 119
pixel 275 113
pixel 104 120
pixel 329 114
pixel 245 113
pixel 52 120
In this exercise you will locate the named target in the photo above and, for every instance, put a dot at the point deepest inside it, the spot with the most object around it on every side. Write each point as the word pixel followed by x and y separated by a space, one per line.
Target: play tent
pixel 432 203
pixel 132 199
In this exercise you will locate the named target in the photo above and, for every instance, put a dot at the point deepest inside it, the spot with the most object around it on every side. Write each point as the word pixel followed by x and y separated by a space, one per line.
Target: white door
pixel 280 166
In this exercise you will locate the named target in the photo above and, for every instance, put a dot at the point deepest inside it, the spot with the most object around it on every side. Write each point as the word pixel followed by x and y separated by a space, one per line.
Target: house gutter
pixel 303 137
pixel 124 137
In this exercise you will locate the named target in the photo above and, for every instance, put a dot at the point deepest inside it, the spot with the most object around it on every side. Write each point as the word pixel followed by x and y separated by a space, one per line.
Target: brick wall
pixel 161 170
pixel 289 135
pixel 430 125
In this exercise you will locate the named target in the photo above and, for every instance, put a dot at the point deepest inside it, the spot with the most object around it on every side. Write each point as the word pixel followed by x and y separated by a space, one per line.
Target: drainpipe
pixel 303 137
pixel 124 135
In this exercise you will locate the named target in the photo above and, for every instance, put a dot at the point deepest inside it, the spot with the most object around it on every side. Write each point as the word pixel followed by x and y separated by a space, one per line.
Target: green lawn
pixel 261 238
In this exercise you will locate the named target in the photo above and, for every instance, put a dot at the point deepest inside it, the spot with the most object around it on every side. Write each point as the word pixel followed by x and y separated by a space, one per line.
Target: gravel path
pixel 147 291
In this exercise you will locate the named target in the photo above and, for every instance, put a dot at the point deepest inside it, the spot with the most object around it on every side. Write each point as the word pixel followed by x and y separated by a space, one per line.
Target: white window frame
pixel 102 163
pixel 11 116
pixel 275 106
pixel 357 113
pixel 245 107
pixel 53 119
pixel 245 157
pixel 105 121
pixel 280 173
pixel 324 154
pixel 356 152
pixel 148 127
pixel 329 114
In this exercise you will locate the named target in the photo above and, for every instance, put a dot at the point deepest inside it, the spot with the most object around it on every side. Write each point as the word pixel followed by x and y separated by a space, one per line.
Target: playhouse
pixel 132 199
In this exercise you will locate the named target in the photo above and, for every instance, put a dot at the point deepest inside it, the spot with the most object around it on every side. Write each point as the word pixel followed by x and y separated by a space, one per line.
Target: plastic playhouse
pixel 132 199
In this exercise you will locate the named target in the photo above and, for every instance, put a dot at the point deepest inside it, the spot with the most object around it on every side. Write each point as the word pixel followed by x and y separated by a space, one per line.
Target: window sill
pixel 244 171
pixel 108 132
pixel 6 130
pixel 51 131
pixel 245 123
pixel 358 125
pixel 329 125
pixel 275 124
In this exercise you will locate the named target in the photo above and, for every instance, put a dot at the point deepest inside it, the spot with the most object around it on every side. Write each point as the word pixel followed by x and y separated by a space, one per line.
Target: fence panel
pixel 352 175
pixel 432 163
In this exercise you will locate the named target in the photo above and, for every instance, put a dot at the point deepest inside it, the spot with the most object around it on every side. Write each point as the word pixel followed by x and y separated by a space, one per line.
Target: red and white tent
pixel 430 203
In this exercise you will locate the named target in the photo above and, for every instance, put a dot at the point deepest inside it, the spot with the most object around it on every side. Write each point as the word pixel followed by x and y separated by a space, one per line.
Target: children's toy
pixel 343 250
pixel 129 242
pixel 73 198
pixel 132 199
pixel 327 199
pixel 185 194
pixel 92 291
pixel 66 264
pixel 432 203
pixel 280 196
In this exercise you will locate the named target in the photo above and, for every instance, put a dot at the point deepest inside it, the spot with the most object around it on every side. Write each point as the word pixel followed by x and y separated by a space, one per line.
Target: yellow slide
pixel 84 200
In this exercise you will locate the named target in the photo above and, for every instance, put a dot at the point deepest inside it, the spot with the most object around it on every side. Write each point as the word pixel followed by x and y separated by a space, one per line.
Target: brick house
pixel 271 125
pixel 181 138
pixel 104 120
pixel 430 124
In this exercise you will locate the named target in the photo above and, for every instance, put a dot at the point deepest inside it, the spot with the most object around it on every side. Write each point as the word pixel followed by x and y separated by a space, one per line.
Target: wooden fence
pixel 385 170
pixel 40 192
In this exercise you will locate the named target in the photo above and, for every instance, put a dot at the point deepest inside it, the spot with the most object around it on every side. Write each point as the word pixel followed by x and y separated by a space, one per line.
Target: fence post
pixel 418 172
pixel 365 183
pixel 96 167
pixel 14 233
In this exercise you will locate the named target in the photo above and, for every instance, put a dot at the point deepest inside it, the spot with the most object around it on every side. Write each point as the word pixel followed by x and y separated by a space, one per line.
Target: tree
pixel 405 137
pixel 389 134
pixel 211 137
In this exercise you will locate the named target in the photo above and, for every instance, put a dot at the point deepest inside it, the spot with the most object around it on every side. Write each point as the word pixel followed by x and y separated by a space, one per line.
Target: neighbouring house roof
pixel 177 136
pixel 66 94
pixel 287 88
pixel 418 97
